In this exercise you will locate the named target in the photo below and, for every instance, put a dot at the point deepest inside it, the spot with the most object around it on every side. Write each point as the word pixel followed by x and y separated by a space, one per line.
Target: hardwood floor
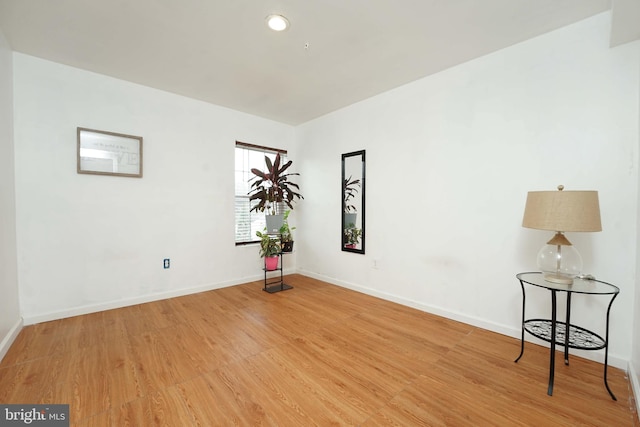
pixel 314 355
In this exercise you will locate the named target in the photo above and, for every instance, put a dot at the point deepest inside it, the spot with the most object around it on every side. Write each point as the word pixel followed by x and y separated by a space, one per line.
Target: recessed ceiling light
pixel 277 22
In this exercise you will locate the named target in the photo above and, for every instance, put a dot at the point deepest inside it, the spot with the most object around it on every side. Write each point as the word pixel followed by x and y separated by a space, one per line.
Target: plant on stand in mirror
pixel 285 234
pixel 273 189
pixel 352 236
pixel 269 250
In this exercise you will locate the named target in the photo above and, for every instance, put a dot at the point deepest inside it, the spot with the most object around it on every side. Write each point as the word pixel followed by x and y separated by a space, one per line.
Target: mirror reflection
pixel 353 206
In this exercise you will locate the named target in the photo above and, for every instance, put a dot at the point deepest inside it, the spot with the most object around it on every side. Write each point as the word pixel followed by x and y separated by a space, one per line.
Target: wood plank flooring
pixel 314 355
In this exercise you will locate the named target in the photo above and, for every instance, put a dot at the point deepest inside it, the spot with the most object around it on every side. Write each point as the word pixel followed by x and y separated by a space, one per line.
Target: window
pixel 247 157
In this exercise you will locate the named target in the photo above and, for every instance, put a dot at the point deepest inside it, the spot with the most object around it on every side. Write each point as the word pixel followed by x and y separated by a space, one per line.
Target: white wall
pixel 634 364
pixel 89 242
pixel 450 159
pixel 10 321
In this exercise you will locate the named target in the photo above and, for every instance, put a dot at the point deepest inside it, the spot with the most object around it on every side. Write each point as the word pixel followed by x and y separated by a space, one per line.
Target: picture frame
pixel 109 153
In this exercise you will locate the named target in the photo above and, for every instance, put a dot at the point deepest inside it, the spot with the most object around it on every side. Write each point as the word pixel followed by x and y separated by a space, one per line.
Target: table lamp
pixel 561 211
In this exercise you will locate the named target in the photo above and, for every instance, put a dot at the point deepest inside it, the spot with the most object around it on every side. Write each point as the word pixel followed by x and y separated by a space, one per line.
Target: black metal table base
pixel 564 333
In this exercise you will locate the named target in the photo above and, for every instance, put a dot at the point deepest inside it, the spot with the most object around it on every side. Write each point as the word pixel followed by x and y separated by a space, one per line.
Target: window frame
pixel 247 172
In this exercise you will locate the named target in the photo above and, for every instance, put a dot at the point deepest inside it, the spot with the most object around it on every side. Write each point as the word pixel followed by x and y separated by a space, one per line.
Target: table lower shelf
pixel 579 338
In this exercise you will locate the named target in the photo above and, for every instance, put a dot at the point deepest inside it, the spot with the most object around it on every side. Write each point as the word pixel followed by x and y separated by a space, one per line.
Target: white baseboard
pixel 635 386
pixel 514 332
pixel 109 305
pixel 10 338
pixel 614 361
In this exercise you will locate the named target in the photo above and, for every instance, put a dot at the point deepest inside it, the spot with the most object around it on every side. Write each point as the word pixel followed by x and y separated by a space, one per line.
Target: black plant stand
pixel 274 284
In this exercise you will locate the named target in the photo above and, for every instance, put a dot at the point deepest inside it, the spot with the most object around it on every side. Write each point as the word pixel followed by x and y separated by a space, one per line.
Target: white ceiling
pixel 222 52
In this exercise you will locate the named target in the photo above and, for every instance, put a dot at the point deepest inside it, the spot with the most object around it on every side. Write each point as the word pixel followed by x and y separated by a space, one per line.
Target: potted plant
pixel 272 189
pixel 350 187
pixel 352 236
pixel 269 249
pixel 285 234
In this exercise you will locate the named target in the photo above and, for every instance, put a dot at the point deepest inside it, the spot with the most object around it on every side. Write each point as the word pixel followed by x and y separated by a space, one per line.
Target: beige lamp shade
pixel 562 210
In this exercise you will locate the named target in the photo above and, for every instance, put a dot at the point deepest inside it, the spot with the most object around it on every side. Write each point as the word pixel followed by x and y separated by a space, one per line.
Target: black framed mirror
pixel 353 202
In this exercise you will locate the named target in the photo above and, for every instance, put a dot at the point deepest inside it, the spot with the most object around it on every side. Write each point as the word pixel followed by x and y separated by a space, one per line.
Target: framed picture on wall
pixel 109 153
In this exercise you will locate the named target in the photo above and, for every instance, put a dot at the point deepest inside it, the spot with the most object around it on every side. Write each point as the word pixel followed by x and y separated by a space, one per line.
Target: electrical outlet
pixel 167 263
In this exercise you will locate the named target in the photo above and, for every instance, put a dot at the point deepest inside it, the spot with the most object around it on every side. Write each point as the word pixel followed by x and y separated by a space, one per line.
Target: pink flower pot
pixel 271 263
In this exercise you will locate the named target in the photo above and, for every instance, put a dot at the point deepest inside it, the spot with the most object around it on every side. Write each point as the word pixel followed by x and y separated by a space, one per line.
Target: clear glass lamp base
pixel 559 261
